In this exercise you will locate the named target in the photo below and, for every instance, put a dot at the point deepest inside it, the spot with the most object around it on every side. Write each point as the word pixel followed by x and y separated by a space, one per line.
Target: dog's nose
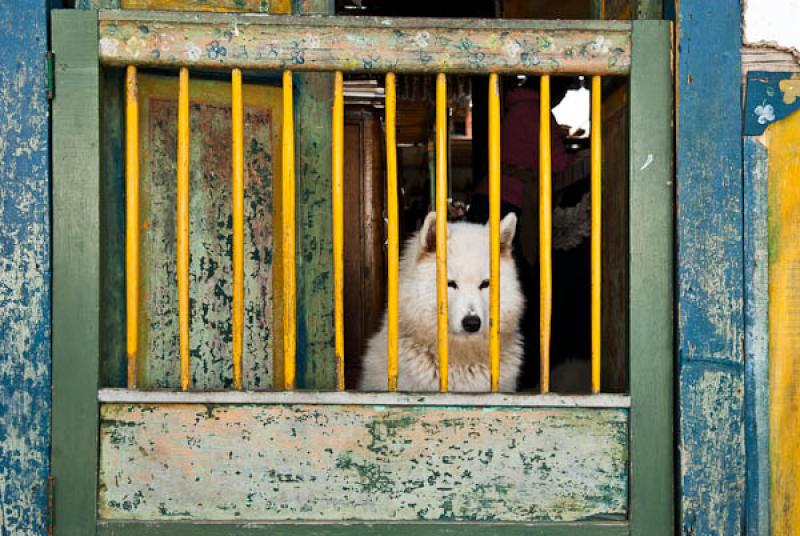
pixel 471 323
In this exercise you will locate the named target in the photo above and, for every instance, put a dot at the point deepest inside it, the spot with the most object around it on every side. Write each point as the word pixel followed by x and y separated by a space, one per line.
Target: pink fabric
pixel 519 143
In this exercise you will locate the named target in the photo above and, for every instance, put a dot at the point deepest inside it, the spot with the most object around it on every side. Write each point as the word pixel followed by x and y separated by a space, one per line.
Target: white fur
pixel 467 265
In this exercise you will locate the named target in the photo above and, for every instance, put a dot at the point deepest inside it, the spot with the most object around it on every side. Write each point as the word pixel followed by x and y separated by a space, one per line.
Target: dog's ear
pixel 427 235
pixel 508 226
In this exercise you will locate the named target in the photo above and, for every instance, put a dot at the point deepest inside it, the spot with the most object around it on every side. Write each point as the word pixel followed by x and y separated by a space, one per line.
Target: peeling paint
pixel 710 311
pixel 756 336
pixel 24 271
pixel 295 462
pixel 166 40
pixel 210 232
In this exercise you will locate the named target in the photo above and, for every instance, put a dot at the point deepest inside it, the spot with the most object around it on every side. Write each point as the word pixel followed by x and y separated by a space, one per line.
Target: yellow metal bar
pixel 494 230
pixel 545 235
pixel 441 226
pixel 393 252
pixel 183 224
pixel 237 159
pixel 338 225
pixel 288 238
pixel 132 220
pixel 597 185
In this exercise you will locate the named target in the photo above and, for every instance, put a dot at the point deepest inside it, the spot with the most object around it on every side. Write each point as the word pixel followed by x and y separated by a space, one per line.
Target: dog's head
pixel 468 258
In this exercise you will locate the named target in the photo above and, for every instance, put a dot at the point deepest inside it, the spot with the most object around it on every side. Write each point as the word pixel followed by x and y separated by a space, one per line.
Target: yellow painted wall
pixel 783 142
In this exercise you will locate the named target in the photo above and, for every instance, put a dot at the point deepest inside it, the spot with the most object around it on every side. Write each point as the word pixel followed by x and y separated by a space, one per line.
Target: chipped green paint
pixel 369 463
pixel 253 41
pixel 316 363
pixel 211 235
pixel 316 367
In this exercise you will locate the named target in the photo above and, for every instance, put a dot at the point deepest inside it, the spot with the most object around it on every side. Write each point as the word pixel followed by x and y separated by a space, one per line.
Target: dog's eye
pixel 452 284
pixel 484 284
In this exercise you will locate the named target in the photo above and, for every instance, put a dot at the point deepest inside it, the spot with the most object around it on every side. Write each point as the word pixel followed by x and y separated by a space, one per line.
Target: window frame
pixel 77 305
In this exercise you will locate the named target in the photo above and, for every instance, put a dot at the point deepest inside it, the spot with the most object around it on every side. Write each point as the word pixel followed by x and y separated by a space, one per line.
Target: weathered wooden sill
pixel 551 400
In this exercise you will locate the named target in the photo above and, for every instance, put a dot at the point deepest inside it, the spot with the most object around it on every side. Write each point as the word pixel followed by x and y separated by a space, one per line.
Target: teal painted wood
pixel 756 276
pixel 710 268
pixel 115 528
pixel 651 307
pixel 764 101
pixel 113 365
pixel 24 269
pixel 76 271
pixel 308 462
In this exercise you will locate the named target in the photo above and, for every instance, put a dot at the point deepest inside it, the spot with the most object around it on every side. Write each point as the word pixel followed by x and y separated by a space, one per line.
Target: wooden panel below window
pixel 248 462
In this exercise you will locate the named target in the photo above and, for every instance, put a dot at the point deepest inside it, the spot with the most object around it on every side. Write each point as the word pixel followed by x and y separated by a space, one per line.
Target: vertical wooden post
pixel 132 220
pixel 338 224
pixel 651 238
pixel 545 235
pixel 441 229
pixel 25 290
pixel 494 230
pixel 710 314
pixel 182 232
pixel 237 212
pixel 597 231
pixel 76 270
pixel 393 242
pixel 313 107
pixel 288 233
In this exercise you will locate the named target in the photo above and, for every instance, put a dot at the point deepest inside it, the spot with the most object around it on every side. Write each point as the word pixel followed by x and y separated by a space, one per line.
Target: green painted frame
pixel 76 300
pixel 76 271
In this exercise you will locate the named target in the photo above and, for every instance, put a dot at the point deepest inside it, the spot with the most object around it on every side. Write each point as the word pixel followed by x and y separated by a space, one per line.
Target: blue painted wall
pixel 24 269
pixel 710 268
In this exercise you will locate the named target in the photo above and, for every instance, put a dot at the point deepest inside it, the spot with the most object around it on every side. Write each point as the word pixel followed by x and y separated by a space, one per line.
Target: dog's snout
pixel 471 323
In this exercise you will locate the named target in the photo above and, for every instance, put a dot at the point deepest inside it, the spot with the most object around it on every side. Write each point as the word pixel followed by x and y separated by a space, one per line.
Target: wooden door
pixel 364 252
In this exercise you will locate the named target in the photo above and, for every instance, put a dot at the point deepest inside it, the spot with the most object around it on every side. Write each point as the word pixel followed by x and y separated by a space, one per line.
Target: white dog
pixel 468 313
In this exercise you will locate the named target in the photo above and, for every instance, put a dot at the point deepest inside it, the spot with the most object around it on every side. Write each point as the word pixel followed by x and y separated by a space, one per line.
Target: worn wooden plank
pixel 651 253
pixel 756 346
pixel 112 230
pixel 710 268
pixel 372 463
pixel 316 364
pixel 210 231
pixel 550 400
pixel 782 140
pixel 615 246
pixel 768 59
pixel 253 41
pixel 24 269
pixel 182 528
pixel 255 6
pixel 76 270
